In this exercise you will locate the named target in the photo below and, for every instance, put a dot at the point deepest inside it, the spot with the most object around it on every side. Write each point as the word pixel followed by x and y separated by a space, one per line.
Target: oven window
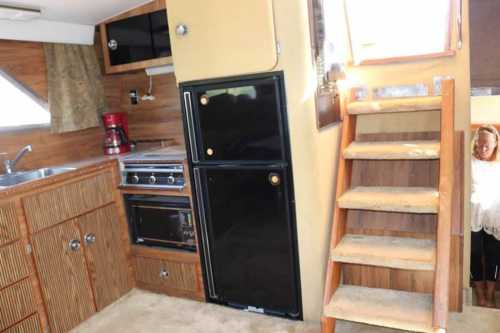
pixel 158 223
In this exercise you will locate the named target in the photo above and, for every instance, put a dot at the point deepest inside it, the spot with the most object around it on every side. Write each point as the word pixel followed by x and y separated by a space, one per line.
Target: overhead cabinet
pixel 136 39
pixel 217 38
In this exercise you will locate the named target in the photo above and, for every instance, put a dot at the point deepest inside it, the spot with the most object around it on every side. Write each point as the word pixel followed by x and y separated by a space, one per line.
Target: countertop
pixel 172 153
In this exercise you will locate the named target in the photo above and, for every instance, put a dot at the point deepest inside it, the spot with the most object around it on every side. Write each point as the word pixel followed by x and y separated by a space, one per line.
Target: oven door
pixel 161 221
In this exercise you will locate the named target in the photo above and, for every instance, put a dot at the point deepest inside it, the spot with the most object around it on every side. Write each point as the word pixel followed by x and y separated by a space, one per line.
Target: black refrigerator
pixel 239 153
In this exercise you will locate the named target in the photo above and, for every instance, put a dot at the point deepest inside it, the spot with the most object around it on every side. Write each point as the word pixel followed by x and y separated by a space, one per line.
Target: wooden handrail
pixel 446 172
pixel 339 215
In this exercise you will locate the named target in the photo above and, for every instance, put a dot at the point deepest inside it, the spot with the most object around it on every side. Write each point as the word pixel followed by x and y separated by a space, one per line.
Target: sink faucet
pixel 10 164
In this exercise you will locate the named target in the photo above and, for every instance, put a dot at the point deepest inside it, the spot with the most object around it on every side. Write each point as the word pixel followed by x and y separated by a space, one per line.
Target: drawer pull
pixel 163 274
pixel 74 245
pixel 89 238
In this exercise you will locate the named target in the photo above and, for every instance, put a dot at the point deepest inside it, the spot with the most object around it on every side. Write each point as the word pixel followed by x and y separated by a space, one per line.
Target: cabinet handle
pixel 113 45
pixel 181 30
pixel 163 274
pixel 274 178
pixel 89 238
pixel 74 245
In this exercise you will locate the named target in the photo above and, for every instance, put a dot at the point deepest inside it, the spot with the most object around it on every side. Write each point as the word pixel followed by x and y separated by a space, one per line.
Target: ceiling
pixel 88 12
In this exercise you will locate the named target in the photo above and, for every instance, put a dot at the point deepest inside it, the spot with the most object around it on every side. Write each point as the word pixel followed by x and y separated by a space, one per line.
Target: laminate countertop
pixel 80 168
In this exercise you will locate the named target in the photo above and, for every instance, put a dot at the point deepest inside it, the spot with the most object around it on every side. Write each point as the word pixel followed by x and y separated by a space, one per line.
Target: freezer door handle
pixel 204 232
pixel 190 124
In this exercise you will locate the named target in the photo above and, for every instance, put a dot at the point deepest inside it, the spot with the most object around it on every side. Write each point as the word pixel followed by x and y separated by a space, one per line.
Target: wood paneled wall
pixel 148 120
pixel 25 61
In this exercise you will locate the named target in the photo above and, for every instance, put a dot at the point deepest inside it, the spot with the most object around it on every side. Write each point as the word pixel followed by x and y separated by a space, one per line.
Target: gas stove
pixel 155 169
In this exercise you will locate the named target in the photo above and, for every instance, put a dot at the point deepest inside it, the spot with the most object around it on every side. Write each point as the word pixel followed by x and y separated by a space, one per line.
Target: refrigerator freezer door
pixel 238 121
pixel 251 244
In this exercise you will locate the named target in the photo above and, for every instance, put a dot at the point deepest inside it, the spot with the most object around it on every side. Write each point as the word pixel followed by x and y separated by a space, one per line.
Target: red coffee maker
pixel 116 136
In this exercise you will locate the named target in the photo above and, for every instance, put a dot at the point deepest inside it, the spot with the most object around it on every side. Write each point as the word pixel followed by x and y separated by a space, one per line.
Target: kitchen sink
pixel 24 176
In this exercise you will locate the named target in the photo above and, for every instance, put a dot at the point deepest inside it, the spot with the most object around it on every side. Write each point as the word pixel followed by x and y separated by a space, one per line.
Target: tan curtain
pixel 76 94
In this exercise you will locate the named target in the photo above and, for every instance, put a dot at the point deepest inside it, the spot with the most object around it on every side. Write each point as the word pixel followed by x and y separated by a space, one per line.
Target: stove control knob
pixel 152 180
pixel 135 179
pixel 170 180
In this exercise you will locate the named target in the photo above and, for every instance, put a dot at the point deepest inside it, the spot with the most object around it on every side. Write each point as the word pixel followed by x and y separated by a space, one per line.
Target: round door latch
pixel 274 179
pixel 89 238
pixel 181 29
pixel 210 151
pixel 204 99
pixel 74 245
pixel 112 44
pixel 152 180
pixel 163 274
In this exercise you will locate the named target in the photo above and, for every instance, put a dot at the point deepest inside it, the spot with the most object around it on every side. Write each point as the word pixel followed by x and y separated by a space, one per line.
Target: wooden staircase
pixel 405 310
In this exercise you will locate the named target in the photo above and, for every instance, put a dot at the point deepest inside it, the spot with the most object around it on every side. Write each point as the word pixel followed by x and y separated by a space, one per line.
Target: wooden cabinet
pixel 105 254
pixel 136 39
pixel 64 279
pixel 29 325
pixel 242 40
pixel 16 302
pixel 175 273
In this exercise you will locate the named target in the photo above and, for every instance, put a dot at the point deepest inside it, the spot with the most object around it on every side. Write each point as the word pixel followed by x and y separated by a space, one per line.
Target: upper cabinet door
pixel 218 38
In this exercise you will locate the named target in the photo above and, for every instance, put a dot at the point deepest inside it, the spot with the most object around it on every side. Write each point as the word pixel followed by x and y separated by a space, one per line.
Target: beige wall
pixel 314 153
pixel 485 109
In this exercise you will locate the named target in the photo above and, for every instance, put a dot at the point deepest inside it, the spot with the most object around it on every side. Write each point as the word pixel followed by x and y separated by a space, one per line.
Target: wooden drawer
pixel 9 227
pixel 13 264
pixel 29 325
pixel 166 274
pixel 16 302
pixel 51 207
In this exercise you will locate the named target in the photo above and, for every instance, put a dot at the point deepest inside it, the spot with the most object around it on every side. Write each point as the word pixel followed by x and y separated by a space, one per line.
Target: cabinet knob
pixel 181 30
pixel 163 273
pixel 74 245
pixel 89 238
pixel 113 44
pixel 274 179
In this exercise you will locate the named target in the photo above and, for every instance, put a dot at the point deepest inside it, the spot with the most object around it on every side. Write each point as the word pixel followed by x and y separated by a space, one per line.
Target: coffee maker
pixel 116 136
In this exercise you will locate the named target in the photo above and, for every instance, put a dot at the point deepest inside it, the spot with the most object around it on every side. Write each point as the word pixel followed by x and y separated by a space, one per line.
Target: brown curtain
pixel 76 93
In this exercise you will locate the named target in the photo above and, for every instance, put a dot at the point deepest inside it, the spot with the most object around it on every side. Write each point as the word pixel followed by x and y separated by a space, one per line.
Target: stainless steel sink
pixel 24 176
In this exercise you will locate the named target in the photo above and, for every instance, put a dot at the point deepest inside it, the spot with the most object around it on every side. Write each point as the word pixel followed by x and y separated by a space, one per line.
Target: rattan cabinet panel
pixel 13 263
pixel 16 302
pixel 30 325
pixel 51 207
pixel 9 227
pixel 166 274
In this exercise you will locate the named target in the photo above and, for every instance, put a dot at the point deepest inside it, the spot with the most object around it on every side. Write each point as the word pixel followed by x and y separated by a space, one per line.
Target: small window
pixel 386 29
pixel 19 106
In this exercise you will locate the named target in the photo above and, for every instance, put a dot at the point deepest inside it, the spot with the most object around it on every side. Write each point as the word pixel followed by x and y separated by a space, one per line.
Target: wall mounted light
pixel 18 13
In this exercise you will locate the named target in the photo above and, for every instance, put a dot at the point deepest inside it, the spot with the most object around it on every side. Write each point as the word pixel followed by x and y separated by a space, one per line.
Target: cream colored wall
pixel 485 109
pixel 314 153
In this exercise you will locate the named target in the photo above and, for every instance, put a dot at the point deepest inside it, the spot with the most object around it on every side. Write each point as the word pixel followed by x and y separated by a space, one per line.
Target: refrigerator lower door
pixel 250 236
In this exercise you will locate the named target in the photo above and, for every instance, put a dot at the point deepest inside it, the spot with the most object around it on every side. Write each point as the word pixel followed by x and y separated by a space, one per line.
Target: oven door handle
pixel 188 106
pixel 204 232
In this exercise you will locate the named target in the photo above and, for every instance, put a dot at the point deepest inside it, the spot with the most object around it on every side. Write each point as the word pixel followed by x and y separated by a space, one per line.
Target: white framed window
pixel 20 107
pixel 397 29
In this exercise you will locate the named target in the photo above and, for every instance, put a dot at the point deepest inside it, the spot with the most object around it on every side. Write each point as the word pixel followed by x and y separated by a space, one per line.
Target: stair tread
pixel 428 103
pixel 382 307
pixel 393 199
pixel 385 251
pixel 392 150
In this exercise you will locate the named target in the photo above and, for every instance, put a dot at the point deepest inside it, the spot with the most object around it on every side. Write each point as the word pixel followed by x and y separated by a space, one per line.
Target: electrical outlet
pixel 134 97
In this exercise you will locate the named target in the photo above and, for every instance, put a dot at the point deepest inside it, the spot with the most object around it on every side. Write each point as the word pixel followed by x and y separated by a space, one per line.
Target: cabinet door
pixel 223 38
pixel 105 253
pixel 129 40
pixel 63 276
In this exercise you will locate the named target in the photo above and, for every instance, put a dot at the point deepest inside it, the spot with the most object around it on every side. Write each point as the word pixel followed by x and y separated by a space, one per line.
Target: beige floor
pixel 143 312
